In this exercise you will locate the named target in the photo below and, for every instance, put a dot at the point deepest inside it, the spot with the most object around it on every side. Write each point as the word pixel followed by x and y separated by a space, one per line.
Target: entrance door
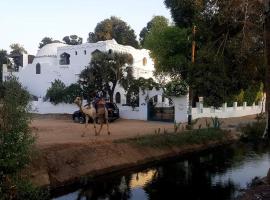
pixel 160 109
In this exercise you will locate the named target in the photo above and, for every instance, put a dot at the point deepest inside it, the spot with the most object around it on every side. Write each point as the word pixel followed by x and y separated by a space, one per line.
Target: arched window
pixel 118 97
pixel 84 52
pixel 144 61
pixel 64 59
pixel 38 68
pixel 76 53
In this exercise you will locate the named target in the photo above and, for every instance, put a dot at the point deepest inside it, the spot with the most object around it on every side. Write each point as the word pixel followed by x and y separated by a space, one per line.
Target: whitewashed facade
pixel 48 64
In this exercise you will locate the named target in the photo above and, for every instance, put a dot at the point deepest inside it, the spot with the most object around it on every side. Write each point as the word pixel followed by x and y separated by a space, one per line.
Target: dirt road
pixel 53 130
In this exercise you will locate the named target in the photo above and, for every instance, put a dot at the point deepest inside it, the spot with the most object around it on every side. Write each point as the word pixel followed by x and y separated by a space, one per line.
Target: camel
pixel 90 112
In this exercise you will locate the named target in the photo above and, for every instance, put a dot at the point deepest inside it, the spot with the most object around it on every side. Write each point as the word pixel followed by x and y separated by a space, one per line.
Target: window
pixel 76 53
pixel 64 59
pixel 110 51
pixel 118 97
pixel 38 68
pixel 155 99
pixel 84 52
pixel 144 61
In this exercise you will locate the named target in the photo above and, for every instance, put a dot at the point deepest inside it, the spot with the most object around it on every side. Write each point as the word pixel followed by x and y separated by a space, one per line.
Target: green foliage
pixel 229 48
pixel 176 88
pixel 170 48
pixel 56 93
pixel 200 136
pixel 114 28
pixel 16 142
pixel 216 122
pixel 105 71
pixel 20 188
pixel 59 93
pixel 15 137
pixel 159 21
pixel 47 40
pixel 253 131
pixel 73 40
pixel 17 49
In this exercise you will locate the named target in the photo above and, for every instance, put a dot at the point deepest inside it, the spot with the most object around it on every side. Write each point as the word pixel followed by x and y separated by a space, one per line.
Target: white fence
pixel 227 112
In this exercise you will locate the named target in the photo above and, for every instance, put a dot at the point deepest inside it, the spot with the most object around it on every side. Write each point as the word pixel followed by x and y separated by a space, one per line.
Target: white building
pixel 65 62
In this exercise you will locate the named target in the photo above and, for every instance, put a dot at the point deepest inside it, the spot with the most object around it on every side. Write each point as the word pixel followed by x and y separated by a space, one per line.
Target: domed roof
pixel 49 50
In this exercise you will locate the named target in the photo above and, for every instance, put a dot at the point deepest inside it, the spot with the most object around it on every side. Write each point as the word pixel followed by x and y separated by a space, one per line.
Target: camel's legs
pixel 86 124
pixel 94 122
pixel 100 128
pixel 107 122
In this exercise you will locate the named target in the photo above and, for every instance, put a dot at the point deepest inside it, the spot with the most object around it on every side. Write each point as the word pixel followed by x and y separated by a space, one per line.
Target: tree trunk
pixel 267 61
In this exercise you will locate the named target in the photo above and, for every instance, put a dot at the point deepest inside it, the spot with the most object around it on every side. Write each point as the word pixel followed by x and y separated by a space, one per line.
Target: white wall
pixel 41 107
pixel 227 112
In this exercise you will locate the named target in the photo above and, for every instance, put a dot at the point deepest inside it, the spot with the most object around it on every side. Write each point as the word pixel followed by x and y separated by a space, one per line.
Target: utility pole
pixel 193 50
pixel 267 61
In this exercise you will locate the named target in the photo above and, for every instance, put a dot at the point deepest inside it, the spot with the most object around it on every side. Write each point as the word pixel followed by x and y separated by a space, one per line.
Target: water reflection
pixel 217 174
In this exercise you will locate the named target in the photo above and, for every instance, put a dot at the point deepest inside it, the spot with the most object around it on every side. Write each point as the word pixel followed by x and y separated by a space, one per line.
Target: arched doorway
pixel 160 108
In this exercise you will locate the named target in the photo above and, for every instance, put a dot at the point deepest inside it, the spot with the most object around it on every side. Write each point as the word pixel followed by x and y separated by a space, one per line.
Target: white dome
pixel 49 50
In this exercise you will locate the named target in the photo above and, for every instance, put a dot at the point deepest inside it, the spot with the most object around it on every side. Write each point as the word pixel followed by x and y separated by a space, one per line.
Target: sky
pixel 28 21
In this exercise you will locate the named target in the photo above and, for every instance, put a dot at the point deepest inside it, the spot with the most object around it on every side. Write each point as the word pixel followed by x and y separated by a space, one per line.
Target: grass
pixel 199 136
pixel 253 131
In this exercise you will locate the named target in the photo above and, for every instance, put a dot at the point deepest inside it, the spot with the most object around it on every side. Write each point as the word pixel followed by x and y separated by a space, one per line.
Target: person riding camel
pixel 99 101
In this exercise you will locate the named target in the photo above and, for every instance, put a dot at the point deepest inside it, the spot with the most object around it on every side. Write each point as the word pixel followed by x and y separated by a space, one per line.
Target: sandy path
pixel 52 130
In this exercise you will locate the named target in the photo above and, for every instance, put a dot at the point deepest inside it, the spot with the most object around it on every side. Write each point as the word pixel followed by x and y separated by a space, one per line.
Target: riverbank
pixel 65 164
pixel 65 156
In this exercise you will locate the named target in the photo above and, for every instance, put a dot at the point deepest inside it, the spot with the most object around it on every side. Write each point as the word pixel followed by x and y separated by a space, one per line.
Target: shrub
pixel 71 92
pixel 253 131
pixel 56 93
pixel 16 141
pixel 176 88
pixel 59 93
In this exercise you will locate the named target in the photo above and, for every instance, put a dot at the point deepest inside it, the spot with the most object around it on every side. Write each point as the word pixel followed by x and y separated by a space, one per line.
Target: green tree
pixel 17 143
pixel 73 40
pixel 47 40
pixel 170 49
pixel 226 38
pixel 17 49
pixel 160 21
pixel 56 93
pixel 105 71
pixel 114 28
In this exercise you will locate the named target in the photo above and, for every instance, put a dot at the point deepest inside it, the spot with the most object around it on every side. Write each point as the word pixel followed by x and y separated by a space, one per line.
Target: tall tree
pixel 47 40
pixel 17 49
pixel 105 71
pixel 73 40
pixel 228 31
pixel 114 28
pixel 156 20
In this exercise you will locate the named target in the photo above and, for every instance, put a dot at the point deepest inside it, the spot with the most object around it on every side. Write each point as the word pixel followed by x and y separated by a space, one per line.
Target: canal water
pixel 219 174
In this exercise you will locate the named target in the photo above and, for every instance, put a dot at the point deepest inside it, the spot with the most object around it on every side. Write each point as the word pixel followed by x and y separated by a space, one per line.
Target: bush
pixel 71 92
pixel 56 93
pixel 16 141
pixel 59 93
pixel 176 88
pixel 253 131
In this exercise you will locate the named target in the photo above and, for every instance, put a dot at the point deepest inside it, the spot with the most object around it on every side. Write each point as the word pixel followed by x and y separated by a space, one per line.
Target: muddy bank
pixel 63 164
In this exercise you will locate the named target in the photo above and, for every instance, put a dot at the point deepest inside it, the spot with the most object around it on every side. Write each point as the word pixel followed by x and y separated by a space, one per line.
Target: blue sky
pixel 28 21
